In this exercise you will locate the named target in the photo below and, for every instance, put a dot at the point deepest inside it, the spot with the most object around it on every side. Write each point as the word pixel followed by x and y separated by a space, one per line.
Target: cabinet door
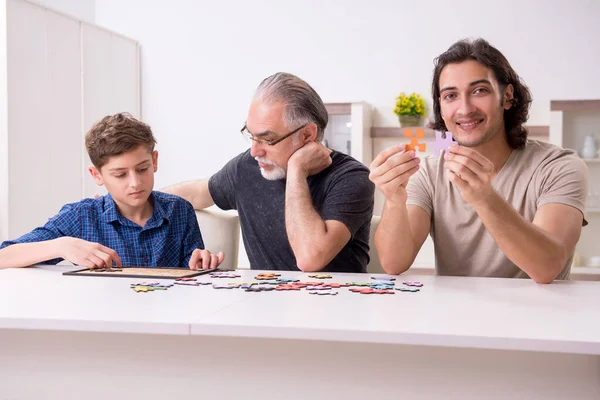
pixel 44 114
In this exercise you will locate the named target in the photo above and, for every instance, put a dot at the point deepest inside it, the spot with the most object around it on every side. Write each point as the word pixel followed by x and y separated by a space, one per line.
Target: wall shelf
pixel 575 105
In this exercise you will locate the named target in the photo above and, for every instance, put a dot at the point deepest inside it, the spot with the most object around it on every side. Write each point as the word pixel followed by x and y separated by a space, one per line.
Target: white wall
pixel 81 9
pixel 201 60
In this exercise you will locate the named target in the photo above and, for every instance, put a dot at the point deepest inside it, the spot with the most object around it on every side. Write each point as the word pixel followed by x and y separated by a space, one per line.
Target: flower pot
pixel 409 120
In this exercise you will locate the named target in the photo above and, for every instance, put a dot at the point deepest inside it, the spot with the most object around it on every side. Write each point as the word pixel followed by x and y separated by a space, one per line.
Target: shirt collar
pixel 111 214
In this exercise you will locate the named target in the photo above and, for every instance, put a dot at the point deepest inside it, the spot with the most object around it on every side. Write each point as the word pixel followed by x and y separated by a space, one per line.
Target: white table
pixel 68 337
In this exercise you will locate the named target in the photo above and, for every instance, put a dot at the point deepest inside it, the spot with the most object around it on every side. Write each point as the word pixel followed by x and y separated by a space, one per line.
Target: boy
pixel 132 225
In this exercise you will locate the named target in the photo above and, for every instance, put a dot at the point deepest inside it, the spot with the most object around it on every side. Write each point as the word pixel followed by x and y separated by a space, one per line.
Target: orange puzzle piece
pixel 414 140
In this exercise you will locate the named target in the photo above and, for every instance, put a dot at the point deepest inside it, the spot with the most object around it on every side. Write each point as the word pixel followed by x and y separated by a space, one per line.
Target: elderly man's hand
pixel 310 159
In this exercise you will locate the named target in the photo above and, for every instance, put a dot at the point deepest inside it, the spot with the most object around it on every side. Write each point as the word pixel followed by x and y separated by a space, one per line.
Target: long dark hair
pixel 484 53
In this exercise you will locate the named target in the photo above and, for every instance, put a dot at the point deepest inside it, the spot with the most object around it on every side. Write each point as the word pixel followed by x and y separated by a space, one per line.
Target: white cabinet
pixel 349 130
pixel 58 75
pixel 571 121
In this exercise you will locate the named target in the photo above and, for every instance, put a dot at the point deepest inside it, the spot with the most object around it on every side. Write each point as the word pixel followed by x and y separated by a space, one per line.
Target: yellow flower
pixel 412 104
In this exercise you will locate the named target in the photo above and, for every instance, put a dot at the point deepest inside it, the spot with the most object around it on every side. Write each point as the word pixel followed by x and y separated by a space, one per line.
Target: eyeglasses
pixel 269 142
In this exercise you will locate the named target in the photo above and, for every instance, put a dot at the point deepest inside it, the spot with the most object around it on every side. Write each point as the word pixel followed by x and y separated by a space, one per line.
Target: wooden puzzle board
pixel 141 272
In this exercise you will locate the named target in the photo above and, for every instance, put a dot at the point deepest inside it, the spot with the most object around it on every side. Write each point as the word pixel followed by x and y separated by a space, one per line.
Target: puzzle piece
pixel 414 140
pixel 369 290
pixel 224 275
pixel 322 293
pixel 260 289
pixel 189 283
pixel 217 286
pixel 335 285
pixel 146 284
pixel 285 280
pixel 287 287
pixel 143 289
pixel 320 276
pixel 358 284
pixel 441 143
pixel 407 289
pixel 111 269
pixel 320 287
pixel 185 279
pixel 267 276
pixel 382 287
pixel 383 278
pixel 413 284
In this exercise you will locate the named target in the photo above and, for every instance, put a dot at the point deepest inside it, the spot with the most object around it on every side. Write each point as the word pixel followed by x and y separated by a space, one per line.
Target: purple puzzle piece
pixel 441 143
pixel 217 286
pixel 320 287
pixel 187 283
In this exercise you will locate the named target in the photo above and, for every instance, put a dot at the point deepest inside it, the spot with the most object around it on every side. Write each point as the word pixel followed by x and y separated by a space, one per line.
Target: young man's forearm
pixel 528 246
pixel 196 192
pixel 28 254
pixel 394 240
pixel 305 228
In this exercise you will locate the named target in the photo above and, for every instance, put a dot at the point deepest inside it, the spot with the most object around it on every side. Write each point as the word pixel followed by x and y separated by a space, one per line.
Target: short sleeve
pixel 564 180
pixel 418 190
pixel 222 185
pixel 350 200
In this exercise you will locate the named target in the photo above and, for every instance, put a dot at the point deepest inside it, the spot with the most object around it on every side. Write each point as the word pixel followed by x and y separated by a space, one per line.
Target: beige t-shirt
pixel 538 174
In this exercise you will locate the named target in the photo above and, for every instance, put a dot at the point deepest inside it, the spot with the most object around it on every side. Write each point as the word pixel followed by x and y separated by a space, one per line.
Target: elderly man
pixel 301 205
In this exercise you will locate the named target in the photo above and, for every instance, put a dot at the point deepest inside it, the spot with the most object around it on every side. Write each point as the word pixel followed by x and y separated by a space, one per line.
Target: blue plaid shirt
pixel 168 239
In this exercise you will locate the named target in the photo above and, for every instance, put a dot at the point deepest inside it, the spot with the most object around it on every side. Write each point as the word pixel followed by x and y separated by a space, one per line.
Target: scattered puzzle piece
pixel 407 289
pixel 267 276
pixel 217 286
pixel 146 284
pixel 414 284
pixel 335 285
pixel 441 143
pixel 287 287
pixel 382 287
pixel 369 290
pixel 414 140
pixel 358 284
pixel 383 278
pixel 142 289
pixel 224 275
pixel 188 283
pixel 320 276
pixel 323 293
pixel 186 279
pixel 285 280
pixel 260 289
pixel 320 287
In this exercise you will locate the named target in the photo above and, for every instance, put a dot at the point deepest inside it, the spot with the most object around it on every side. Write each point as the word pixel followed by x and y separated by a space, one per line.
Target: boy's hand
pixel 87 254
pixel 203 259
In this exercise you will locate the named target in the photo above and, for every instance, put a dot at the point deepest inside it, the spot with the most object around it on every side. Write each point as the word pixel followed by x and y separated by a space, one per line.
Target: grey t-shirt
pixel 342 192
pixel 538 174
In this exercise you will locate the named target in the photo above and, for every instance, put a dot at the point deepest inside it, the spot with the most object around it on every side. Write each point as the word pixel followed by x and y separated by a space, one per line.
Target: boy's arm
pixel 55 241
pixel 77 251
pixel 195 255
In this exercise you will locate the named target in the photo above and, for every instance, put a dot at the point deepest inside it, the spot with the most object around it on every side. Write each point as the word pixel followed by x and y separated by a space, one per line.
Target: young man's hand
pixel 390 172
pixel 471 172
pixel 87 254
pixel 203 259
pixel 310 159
